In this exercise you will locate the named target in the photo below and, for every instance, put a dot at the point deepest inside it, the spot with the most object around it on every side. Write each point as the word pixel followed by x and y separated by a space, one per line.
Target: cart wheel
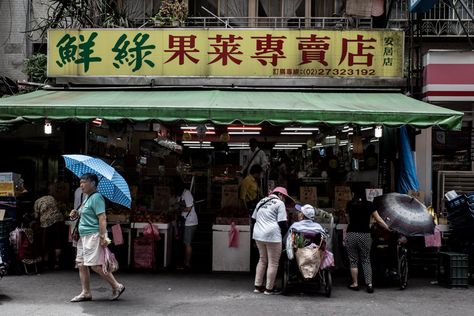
pixel 403 269
pixel 286 277
pixel 327 282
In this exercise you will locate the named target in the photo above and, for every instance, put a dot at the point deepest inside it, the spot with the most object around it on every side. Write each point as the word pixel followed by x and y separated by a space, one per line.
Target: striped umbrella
pixel 111 184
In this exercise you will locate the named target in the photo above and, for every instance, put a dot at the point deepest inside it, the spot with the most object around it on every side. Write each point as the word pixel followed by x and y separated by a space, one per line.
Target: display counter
pixel 230 259
pixel 165 229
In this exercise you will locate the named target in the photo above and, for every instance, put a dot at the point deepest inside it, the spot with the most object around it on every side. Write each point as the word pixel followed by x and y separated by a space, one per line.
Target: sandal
pixel 81 298
pixel 353 288
pixel 117 292
pixel 370 289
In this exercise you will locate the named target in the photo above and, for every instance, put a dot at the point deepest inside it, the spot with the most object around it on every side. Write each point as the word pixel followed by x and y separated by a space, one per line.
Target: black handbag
pixel 75 230
pixel 181 224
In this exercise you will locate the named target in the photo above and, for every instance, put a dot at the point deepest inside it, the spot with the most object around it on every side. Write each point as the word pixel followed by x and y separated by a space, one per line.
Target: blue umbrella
pixel 111 184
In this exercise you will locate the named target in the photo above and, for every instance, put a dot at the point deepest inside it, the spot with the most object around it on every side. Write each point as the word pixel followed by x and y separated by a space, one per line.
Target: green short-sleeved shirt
pixel 93 207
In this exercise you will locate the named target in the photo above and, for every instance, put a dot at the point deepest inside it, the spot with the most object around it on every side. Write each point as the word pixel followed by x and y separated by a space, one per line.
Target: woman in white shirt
pixel 270 224
pixel 189 213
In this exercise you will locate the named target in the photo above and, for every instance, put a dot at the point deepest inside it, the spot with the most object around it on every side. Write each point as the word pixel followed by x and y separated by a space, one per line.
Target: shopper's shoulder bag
pixel 75 230
pixel 181 223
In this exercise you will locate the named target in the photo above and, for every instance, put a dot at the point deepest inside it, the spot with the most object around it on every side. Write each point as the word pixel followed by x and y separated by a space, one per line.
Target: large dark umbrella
pixel 404 214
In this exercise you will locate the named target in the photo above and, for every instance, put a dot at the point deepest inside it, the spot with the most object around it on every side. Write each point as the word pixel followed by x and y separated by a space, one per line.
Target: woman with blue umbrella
pixel 92 228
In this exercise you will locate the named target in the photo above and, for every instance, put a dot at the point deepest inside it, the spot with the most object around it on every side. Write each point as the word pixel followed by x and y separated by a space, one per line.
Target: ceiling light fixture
pixel 238 145
pixel 244 128
pixel 298 129
pixel 195 142
pixel 48 128
pixel 195 132
pixel 296 133
pixel 194 128
pixel 378 131
pixel 245 133
pixel 239 148
pixel 97 122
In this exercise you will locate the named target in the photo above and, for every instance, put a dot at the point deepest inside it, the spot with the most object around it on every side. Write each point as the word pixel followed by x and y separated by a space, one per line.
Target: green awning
pixel 228 106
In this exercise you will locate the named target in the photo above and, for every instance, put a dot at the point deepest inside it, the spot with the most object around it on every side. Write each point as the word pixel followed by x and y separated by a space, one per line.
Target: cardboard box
pixel 308 195
pixel 7 189
pixel 370 194
pixel 342 193
pixel 230 195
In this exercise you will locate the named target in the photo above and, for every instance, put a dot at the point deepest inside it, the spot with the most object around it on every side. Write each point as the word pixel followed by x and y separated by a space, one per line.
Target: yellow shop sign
pixel 225 52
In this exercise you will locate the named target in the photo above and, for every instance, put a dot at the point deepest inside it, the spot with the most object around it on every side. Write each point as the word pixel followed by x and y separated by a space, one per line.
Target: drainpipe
pixel 86 137
pixel 29 48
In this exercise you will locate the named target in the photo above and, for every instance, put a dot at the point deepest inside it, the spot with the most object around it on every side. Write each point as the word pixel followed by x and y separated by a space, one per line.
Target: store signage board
pixel 225 53
pixel 448 76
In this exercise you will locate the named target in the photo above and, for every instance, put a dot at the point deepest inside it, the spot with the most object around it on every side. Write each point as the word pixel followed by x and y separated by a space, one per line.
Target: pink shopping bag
pixel 117 234
pixel 233 236
pixel 433 240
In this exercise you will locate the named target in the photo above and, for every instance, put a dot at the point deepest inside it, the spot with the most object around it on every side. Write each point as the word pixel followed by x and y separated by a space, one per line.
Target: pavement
pixel 206 294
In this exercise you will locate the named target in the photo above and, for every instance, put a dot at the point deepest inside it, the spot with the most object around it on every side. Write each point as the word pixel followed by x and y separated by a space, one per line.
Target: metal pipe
pixel 467 9
pixel 226 23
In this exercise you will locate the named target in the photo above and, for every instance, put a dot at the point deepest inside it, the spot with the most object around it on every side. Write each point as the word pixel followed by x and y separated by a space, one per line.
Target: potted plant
pixel 171 13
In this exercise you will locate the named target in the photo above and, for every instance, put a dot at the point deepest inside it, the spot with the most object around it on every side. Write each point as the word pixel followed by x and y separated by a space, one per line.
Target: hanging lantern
pixel 187 136
pixel 224 137
pixel 358 146
pixel 201 132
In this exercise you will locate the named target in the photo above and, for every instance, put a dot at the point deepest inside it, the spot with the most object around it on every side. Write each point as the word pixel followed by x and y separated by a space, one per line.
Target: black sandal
pixel 370 289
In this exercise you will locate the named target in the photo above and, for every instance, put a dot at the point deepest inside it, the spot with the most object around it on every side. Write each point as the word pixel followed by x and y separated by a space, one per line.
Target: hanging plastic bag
pixel 110 263
pixel 327 260
pixel 117 235
pixel 233 236
pixel 144 253
pixel 152 232
pixel 433 240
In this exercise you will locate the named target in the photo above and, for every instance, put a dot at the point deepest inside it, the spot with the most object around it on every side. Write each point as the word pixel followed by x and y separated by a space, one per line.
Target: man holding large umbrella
pixel 92 222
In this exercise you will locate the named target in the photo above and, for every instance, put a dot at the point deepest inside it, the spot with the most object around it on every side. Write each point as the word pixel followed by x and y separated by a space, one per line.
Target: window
pixel 141 9
pixel 269 8
pixel 224 8
pixel 197 8
pixel 327 8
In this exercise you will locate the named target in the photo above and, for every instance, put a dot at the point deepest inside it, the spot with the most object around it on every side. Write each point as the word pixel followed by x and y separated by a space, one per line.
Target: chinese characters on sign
pixel 274 53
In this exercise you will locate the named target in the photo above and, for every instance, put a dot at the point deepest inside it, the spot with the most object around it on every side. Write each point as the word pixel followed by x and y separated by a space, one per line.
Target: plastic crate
pixel 6 226
pixel 456 203
pixel 453 269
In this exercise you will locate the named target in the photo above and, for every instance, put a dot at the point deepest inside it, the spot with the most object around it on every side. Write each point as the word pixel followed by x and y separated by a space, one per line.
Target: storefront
pixel 326 139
